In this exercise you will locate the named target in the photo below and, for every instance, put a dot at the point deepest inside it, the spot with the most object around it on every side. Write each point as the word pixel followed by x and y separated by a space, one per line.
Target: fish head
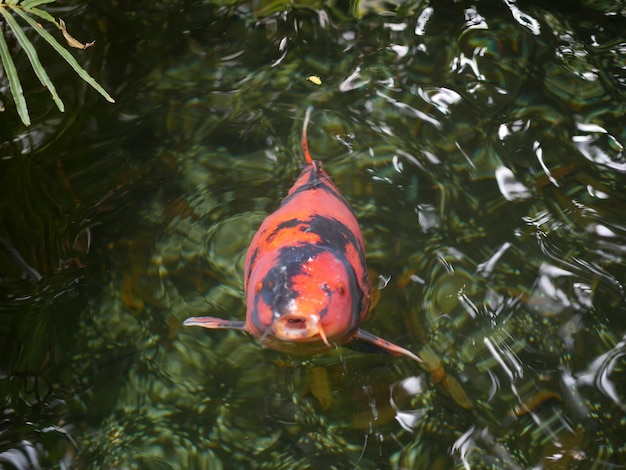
pixel 303 300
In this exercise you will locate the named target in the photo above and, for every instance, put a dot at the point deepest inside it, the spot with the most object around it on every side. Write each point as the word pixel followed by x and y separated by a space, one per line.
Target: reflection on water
pixel 482 147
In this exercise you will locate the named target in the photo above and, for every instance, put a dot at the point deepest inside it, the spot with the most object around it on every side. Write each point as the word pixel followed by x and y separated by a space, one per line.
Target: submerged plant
pixel 28 10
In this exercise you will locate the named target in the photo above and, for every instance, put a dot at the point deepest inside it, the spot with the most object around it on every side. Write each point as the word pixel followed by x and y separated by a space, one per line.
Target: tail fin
pixel 215 323
pixel 304 143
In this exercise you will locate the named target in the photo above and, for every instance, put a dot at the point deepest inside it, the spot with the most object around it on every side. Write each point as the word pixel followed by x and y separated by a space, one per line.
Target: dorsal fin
pixel 304 142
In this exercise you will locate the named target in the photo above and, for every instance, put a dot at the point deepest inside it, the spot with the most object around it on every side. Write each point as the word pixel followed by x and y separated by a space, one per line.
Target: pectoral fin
pixel 215 323
pixel 433 366
pixel 386 345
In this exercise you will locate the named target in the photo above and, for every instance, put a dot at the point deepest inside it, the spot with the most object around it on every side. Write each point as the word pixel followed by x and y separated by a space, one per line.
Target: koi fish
pixel 305 278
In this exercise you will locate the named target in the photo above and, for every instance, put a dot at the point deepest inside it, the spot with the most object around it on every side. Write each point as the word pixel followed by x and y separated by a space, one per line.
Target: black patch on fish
pixel 318 182
pixel 277 290
pixel 332 232
pixel 336 235
pixel 283 225
pixel 253 258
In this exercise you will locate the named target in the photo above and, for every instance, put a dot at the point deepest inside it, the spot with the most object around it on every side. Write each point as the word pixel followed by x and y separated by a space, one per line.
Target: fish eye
pixel 341 289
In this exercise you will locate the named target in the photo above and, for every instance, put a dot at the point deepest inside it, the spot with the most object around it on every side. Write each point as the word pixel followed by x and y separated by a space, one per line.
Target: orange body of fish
pixel 305 279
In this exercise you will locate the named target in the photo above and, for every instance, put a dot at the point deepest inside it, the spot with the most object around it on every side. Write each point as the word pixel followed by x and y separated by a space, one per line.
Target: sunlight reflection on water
pixel 505 292
pixel 482 150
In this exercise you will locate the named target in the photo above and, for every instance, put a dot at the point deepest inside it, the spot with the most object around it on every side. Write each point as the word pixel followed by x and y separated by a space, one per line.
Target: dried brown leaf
pixel 71 41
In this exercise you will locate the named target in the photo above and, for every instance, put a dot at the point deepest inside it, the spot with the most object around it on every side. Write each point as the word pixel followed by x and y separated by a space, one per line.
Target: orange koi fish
pixel 305 279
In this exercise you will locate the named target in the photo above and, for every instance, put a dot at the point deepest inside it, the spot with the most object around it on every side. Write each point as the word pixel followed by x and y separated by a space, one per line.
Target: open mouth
pixel 299 328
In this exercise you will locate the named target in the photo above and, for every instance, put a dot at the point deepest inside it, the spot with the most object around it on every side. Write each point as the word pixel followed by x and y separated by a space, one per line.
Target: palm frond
pixel 10 10
pixel 14 81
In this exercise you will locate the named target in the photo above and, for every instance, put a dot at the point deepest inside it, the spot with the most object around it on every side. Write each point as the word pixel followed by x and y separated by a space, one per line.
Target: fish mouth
pixel 296 328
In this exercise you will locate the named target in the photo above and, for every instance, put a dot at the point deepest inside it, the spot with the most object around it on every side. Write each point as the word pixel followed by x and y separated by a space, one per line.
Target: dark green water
pixel 481 145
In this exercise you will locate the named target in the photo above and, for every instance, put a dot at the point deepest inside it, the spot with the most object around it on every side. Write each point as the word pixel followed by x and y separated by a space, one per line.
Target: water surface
pixel 481 145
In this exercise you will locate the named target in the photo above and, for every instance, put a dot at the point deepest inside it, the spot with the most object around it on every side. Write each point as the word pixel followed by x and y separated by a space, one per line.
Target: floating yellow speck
pixel 314 79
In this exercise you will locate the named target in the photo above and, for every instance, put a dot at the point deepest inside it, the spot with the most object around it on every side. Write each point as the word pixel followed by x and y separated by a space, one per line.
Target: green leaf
pixel 31 53
pixel 43 15
pixel 82 73
pixel 28 4
pixel 14 81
